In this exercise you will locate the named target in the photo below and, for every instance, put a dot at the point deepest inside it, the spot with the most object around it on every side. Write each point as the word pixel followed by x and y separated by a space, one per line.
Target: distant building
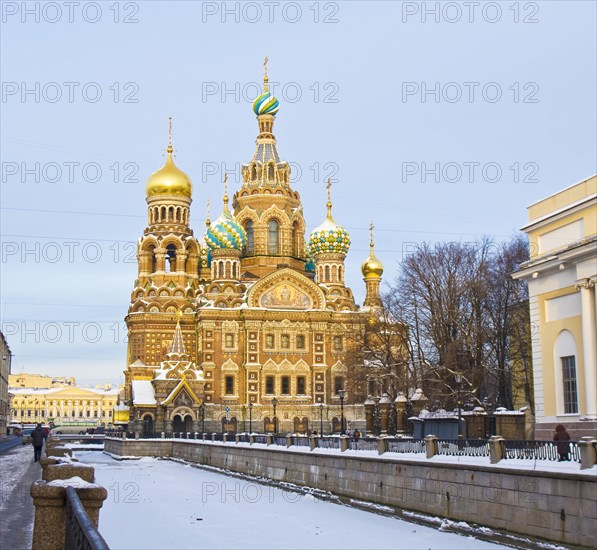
pixel 24 380
pixel 561 275
pixel 5 361
pixel 61 403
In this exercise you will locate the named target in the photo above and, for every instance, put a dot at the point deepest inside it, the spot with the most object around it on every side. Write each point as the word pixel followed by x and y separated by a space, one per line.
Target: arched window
pixel 170 258
pixel 250 237
pixel 153 264
pixel 271 172
pixel 334 274
pixel 273 231
pixel 327 273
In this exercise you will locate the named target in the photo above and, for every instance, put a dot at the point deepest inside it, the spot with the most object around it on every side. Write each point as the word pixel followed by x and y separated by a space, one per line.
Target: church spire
pixel 177 350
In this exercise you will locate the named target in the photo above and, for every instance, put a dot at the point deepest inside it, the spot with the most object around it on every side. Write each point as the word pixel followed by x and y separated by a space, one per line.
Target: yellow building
pixel 24 380
pixel 62 404
pixel 249 325
pixel 561 275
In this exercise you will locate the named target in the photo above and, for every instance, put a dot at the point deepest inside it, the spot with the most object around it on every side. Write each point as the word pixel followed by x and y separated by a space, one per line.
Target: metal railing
pixel 541 450
pixel 328 442
pixel 406 445
pixel 513 449
pixel 463 447
pixel 364 444
pixel 81 533
pixel 280 440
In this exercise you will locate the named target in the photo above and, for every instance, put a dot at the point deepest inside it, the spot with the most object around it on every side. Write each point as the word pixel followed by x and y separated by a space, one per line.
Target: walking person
pixel 37 439
pixel 562 439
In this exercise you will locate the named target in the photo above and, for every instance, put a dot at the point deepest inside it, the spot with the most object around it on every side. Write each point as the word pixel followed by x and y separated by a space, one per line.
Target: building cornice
pixel 560 213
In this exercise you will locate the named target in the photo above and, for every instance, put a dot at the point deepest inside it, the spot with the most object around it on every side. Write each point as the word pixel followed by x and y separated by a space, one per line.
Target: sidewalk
pixel 8 442
pixel 17 473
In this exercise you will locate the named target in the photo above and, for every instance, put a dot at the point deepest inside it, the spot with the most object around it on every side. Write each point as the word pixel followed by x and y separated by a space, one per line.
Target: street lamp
pixel 274 403
pixel 321 419
pixel 458 379
pixel 341 395
pixel 250 418
pixel 202 418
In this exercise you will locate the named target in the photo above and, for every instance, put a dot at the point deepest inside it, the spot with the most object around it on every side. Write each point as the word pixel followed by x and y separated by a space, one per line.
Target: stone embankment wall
pixel 560 507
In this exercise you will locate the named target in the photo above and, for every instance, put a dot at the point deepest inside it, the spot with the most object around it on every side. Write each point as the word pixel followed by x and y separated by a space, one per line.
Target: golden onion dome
pixel 169 180
pixel 372 268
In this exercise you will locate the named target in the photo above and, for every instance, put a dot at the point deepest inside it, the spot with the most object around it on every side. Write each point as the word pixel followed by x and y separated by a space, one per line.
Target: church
pixel 249 326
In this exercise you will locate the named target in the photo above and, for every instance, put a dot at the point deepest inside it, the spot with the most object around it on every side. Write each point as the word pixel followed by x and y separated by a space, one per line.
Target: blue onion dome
pixel 310 263
pixel 225 232
pixel 266 104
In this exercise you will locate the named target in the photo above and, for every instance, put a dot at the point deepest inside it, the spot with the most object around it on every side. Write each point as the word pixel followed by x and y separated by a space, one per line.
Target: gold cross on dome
pixel 329 188
pixel 170 131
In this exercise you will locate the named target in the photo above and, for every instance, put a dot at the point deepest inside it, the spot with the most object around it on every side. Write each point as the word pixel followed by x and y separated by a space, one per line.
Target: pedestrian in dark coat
pixel 562 439
pixel 37 439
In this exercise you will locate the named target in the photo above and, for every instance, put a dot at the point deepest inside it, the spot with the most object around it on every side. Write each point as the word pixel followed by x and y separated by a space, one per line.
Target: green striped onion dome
pixel 266 104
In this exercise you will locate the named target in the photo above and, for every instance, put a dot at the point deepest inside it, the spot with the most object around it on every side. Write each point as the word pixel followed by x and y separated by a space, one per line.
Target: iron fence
pixel 364 444
pixel 81 533
pixel 463 447
pixel 280 440
pixel 541 450
pixel 328 442
pixel 406 445
pixel 301 441
pixel 260 438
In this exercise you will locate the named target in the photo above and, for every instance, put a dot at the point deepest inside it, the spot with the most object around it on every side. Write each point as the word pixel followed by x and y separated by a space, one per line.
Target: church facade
pixel 248 326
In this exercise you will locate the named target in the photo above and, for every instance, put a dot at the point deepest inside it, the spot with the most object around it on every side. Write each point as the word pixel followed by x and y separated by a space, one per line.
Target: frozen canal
pixel 161 504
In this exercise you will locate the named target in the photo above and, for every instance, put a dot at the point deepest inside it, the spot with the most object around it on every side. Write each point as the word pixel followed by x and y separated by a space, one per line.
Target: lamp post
pixel 274 403
pixel 341 395
pixel 250 418
pixel 202 418
pixel 321 419
pixel 458 380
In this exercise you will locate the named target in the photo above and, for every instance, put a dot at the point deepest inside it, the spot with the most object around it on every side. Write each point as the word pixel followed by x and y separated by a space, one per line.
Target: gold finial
pixel 170 134
pixel 225 191
pixel 329 203
pixel 265 77
pixel 207 220
pixel 371 227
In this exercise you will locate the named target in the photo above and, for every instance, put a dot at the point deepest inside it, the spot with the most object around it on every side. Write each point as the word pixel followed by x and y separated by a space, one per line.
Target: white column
pixel 589 344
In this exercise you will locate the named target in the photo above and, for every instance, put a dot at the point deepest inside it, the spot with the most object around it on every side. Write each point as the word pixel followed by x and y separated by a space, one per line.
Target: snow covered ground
pixel 156 503
pixel 13 465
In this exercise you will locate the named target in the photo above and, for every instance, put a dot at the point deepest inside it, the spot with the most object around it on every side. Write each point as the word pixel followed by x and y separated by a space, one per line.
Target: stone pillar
pixel 384 409
pixel 344 443
pixel 313 440
pixel 289 441
pixel 66 470
pixel 588 457
pixel 49 526
pixel 418 401
pixel 589 344
pixel 269 439
pixel 251 439
pixel 430 446
pixel 497 449
pixel 382 445
pixel 400 406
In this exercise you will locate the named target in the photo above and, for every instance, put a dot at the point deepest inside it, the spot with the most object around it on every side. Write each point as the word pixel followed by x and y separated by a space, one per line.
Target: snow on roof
pixel 143 393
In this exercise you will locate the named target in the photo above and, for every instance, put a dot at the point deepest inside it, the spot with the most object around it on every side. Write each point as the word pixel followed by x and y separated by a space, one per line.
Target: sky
pixel 436 122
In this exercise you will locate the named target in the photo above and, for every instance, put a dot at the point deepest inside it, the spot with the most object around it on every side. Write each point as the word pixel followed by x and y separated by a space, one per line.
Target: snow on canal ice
pixel 161 504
